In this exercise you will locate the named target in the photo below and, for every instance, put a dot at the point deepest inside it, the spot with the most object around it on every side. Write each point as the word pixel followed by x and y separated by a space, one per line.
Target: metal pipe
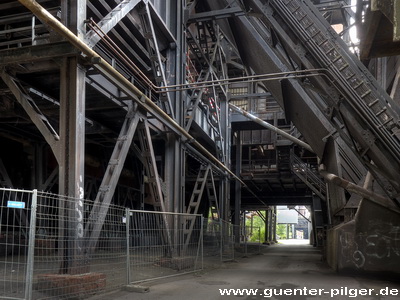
pixel 108 71
pixel 114 47
pixel 258 77
pixel 203 84
pixel 217 82
pixel 351 187
pixel 272 127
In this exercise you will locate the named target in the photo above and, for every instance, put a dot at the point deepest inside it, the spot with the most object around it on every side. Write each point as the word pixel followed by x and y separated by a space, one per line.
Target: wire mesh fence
pixel 219 239
pixel 57 247
pixel 73 257
pixel 15 217
pixel 251 239
pixel 163 244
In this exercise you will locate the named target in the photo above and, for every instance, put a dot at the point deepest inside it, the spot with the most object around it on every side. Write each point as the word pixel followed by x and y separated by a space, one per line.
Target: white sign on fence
pixel 15 204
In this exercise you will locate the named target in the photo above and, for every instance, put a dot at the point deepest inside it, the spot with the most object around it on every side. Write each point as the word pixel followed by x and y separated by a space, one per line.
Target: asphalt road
pixel 283 271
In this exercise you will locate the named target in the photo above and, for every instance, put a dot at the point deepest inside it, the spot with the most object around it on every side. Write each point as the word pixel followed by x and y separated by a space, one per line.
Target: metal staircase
pixel 283 158
pixel 369 114
pixel 207 54
pixel 198 93
pixel 308 176
pixel 341 102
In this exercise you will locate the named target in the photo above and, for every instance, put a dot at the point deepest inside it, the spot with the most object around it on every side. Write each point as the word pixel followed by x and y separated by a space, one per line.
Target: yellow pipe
pixel 126 85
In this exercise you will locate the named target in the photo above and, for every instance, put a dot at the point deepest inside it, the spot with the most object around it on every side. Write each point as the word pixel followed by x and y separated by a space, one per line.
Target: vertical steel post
pixel 71 168
pixel 270 216
pixel 273 223
pixel 266 231
pixel 221 244
pixel 245 236
pixel 72 146
pixel 128 258
pixel 31 248
pixel 238 187
pixel 201 241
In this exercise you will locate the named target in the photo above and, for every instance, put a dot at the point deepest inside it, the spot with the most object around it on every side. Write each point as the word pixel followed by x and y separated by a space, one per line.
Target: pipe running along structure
pixel 294 74
pixel 359 190
pixel 272 127
pixel 124 84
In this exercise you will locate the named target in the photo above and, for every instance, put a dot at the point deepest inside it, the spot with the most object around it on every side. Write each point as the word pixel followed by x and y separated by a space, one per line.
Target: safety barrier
pixel 53 247
pixel 15 246
pixel 251 239
pixel 163 244
pixel 219 240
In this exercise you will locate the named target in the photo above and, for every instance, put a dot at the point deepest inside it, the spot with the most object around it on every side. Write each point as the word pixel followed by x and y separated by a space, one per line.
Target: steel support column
pixel 238 187
pixel 174 153
pixel 274 222
pixel 72 147
pixel 224 183
pixel 71 164
pixel 125 85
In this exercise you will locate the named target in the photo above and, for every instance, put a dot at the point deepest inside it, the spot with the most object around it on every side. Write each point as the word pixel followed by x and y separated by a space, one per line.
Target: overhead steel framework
pixel 147 104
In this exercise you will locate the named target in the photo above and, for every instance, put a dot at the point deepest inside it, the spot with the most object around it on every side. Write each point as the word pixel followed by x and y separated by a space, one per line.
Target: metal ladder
pixel 194 202
pixel 212 197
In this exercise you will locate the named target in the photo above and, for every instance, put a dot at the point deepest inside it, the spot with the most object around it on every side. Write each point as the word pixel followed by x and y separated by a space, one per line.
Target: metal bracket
pixel 325 138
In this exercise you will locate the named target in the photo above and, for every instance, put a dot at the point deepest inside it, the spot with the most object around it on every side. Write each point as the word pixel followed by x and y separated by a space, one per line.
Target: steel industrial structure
pixel 136 103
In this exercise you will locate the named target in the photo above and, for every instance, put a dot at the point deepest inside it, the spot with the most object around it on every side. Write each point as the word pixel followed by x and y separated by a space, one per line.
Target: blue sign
pixel 15 204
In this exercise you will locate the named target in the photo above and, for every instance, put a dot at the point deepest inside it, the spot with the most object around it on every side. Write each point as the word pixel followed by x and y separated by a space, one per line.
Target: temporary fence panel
pixel 46 250
pixel 64 266
pixel 157 246
pixel 212 242
pixel 252 239
pixel 219 239
pixel 227 241
pixel 15 232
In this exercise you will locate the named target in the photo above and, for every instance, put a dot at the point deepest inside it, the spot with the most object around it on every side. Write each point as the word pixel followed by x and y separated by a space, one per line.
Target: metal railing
pixel 307 175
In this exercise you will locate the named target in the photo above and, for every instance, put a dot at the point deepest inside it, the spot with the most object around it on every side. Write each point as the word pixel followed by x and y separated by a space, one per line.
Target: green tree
pixel 281 231
pixel 258 225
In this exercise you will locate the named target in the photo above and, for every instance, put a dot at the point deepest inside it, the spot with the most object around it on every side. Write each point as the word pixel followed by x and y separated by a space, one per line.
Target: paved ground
pixel 284 269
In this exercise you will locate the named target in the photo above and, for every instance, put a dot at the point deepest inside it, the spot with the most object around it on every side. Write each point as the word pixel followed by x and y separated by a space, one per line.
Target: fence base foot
pixel 78 286
pixel 136 288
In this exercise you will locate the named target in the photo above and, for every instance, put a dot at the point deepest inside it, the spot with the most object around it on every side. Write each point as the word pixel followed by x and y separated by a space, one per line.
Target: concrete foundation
pixel 369 243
